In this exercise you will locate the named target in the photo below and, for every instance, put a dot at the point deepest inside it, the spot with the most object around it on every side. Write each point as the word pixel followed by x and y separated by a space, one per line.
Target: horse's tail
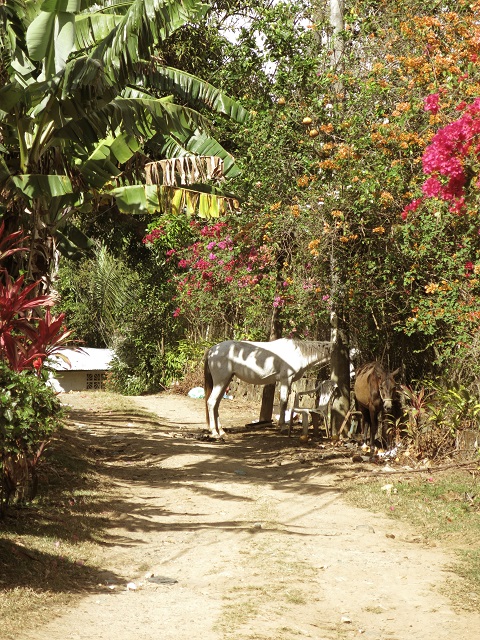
pixel 207 383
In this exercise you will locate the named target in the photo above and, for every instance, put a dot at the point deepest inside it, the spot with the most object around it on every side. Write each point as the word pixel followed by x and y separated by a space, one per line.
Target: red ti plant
pixel 26 338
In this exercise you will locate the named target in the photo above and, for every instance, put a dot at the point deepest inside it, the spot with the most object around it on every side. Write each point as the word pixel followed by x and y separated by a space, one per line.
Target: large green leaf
pixel 137 198
pixel 51 37
pixel 145 24
pixel 190 88
pixel 199 144
pixel 207 202
pixel 92 28
pixel 38 186
pixel 57 6
pixel 100 166
pixel 10 95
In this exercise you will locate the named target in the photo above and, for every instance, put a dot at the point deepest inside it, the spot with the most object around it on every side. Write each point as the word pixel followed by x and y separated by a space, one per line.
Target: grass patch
pixel 441 507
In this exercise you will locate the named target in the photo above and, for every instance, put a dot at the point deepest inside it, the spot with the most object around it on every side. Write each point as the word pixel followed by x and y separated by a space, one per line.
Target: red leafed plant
pixel 29 410
pixel 26 338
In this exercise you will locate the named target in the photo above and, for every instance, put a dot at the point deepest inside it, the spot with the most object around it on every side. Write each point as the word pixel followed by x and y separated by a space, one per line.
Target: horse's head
pixel 388 390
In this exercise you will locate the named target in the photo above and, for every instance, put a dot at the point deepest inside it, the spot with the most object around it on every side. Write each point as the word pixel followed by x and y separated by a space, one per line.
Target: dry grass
pixel 442 507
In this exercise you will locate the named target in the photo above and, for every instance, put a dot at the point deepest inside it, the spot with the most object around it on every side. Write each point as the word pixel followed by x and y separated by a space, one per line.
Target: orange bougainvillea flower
pixel 431 287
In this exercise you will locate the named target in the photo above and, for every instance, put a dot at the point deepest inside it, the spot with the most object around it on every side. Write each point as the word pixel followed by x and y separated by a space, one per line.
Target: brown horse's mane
pixel 375 366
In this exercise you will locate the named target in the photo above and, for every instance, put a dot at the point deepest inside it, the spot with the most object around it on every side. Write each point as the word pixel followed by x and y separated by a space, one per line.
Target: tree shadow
pixel 95 466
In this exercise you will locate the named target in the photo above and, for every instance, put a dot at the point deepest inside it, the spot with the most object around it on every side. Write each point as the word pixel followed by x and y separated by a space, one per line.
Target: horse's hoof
pixel 221 437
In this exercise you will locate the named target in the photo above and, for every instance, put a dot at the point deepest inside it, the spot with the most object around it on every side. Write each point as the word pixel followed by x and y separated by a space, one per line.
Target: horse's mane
pixel 308 348
pixel 369 367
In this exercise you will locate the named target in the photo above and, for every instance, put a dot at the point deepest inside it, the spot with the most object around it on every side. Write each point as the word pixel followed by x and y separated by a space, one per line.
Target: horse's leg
pixel 213 403
pixel 284 393
pixel 373 429
pixel 364 423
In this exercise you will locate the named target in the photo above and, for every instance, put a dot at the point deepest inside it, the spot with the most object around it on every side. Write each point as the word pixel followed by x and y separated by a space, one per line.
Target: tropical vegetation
pixel 351 152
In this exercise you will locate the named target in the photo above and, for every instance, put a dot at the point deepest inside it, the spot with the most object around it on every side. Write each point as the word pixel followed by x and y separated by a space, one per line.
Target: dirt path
pixel 234 541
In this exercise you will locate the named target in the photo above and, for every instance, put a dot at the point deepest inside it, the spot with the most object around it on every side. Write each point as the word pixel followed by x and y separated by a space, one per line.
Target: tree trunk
pixel 268 395
pixel 338 25
pixel 340 361
pixel 340 370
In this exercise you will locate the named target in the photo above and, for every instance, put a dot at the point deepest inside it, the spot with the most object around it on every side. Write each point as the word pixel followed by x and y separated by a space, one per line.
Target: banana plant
pixel 86 91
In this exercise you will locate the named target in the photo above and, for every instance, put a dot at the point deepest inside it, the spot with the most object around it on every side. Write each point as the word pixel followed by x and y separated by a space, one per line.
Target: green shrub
pixel 30 412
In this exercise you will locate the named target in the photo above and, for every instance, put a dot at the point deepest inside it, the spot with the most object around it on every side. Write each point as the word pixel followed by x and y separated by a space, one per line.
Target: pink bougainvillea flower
pixel 431 103
pixel 412 206
pixel 177 312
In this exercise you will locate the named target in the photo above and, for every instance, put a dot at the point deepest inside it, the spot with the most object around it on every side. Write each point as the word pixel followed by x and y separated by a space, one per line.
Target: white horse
pixel 260 363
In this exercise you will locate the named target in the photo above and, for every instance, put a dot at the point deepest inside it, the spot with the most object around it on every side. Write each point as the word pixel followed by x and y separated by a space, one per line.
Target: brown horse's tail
pixel 207 383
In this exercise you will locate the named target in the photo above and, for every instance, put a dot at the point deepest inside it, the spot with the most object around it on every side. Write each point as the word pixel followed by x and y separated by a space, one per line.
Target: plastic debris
pixel 392 453
pixel 196 392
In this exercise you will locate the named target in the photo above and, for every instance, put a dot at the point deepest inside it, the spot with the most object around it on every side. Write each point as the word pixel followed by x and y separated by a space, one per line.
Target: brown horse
pixel 375 395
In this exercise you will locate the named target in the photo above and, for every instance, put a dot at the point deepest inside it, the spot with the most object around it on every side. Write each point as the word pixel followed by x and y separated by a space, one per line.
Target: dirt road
pixel 248 539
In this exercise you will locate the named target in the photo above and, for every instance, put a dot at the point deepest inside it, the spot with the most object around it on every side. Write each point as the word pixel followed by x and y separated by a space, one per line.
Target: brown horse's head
pixel 387 389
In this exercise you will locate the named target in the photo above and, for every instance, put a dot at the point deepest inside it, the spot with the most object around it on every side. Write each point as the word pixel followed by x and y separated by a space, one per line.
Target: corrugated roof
pixel 85 360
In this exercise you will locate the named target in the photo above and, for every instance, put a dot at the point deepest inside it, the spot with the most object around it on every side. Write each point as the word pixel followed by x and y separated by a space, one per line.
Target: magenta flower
pixel 431 103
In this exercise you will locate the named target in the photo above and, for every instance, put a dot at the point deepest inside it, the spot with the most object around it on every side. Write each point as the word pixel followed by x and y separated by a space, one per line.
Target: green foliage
pixel 96 294
pixel 73 128
pixel 454 407
pixel 30 411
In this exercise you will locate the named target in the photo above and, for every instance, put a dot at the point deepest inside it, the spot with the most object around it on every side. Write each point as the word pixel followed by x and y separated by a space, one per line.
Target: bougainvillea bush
pixel 228 281
pixel 443 226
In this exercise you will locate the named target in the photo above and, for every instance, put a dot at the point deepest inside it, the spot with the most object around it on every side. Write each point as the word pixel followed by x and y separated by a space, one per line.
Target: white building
pixel 84 371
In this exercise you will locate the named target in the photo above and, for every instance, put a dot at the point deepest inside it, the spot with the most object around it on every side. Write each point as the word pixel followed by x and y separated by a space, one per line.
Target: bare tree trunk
pixel 340 370
pixel 268 394
pixel 340 361
pixel 338 25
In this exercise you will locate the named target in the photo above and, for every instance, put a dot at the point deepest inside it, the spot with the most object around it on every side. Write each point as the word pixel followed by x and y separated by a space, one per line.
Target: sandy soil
pixel 249 538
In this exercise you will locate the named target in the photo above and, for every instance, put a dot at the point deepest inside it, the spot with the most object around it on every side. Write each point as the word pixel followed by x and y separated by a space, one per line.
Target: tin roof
pixel 85 360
